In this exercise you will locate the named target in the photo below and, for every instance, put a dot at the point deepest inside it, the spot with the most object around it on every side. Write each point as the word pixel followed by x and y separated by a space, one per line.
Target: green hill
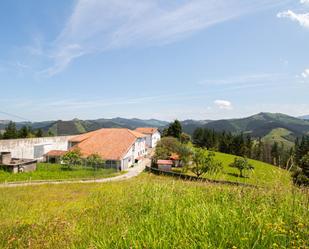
pixel 261 124
pixel 280 135
pixel 269 126
pixel 263 174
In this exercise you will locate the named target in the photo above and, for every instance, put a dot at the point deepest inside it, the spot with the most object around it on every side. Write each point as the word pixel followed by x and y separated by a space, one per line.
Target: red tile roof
pixel 147 130
pixel 165 162
pixel 110 144
pixel 56 153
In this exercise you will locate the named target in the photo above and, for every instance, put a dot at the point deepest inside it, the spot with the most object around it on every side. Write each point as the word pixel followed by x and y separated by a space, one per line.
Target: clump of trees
pixel 11 132
pixel 243 145
pixel 242 164
pixel 169 145
pixel 175 130
pixel 301 169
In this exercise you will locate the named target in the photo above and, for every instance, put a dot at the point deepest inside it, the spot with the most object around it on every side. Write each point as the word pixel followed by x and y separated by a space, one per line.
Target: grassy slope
pixel 279 135
pixel 55 172
pixel 263 175
pixel 152 212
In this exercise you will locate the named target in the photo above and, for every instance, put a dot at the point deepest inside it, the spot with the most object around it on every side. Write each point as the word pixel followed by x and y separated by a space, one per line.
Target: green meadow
pixel 153 212
pixel 47 171
pixel 263 174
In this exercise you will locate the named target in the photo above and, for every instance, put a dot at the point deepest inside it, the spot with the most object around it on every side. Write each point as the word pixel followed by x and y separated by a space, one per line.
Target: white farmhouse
pixel 121 148
pixel 152 135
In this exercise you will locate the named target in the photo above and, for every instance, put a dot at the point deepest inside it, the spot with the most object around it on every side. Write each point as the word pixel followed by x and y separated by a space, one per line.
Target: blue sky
pixel 160 59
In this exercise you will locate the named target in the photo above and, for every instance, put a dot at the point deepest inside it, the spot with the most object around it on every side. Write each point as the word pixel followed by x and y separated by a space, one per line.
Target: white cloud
pixel 100 25
pixel 304 1
pixel 223 104
pixel 302 19
pixel 305 74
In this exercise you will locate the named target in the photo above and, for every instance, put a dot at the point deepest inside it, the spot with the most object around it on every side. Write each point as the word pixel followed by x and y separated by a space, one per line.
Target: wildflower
pixel 275 245
pixel 300 225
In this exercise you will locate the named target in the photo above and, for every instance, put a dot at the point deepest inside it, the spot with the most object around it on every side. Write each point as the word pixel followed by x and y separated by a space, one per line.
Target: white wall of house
pixel 155 138
pixel 34 148
pixel 137 150
pixel 149 140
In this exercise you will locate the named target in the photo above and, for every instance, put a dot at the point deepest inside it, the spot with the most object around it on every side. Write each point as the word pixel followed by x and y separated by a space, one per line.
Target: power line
pixel 15 116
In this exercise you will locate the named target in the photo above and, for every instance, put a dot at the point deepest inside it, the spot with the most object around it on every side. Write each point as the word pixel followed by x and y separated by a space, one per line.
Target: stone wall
pixel 34 148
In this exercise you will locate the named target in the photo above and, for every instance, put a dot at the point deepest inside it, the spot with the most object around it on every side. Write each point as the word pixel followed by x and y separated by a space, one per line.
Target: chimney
pixel 6 158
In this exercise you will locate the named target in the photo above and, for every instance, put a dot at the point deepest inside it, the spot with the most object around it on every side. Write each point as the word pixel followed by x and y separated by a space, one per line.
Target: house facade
pixel 120 148
pixel 152 135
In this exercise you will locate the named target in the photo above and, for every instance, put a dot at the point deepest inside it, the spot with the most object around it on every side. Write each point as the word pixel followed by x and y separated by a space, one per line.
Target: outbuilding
pixel 15 165
pixel 165 165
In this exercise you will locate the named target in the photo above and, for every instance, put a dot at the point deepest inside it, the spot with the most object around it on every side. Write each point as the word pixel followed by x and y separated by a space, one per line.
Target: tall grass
pixel 153 212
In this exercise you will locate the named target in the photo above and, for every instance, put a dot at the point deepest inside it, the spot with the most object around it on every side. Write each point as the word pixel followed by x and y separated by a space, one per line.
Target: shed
pixel 54 156
pixel 165 165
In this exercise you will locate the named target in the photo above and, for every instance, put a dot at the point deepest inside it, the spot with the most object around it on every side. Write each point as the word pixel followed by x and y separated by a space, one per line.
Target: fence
pixel 194 178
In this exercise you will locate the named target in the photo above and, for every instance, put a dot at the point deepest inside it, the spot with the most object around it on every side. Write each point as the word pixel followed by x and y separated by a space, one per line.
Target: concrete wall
pixel 33 148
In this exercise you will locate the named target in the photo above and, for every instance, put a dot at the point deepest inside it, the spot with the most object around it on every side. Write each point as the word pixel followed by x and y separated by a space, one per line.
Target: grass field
pixel 47 171
pixel 279 135
pixel 153 212
pixel 263 174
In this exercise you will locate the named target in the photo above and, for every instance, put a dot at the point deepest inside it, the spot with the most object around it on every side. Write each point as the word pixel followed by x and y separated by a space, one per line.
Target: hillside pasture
pixel 263 174
pixel 153 212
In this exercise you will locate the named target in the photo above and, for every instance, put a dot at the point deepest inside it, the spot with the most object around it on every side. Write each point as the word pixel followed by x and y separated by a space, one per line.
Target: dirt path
pixel 132 172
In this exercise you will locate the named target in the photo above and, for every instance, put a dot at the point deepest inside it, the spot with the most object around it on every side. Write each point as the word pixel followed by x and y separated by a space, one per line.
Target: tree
pixel 165 147
pixel 39 133
pixel 10 131
pixel 185 138
pixel 95 160
pixel 301 174
pixel 204 162
pixel 71 158
pixel 184 152
pixel 199 160
pixel 242 164
pixel 174 129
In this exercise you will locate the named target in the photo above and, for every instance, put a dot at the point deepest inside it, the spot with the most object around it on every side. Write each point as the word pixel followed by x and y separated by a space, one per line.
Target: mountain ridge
pixel 264 124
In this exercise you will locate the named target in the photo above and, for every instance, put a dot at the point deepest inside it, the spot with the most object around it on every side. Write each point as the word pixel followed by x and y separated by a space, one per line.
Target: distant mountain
pixel 77 126
pixel 306 117
pixel 189 126
pixel 270 126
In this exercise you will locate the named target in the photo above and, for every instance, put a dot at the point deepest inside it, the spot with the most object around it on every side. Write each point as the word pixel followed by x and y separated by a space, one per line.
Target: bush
pixel 72 158
pixel 95 160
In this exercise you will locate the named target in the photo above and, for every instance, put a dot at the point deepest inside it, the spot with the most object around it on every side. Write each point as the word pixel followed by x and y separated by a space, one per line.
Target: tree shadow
pixel 237 175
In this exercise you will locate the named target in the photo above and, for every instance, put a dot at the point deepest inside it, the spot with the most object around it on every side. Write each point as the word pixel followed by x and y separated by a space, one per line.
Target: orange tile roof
pixel 110 144
pixel 146 130
pixel 56 153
